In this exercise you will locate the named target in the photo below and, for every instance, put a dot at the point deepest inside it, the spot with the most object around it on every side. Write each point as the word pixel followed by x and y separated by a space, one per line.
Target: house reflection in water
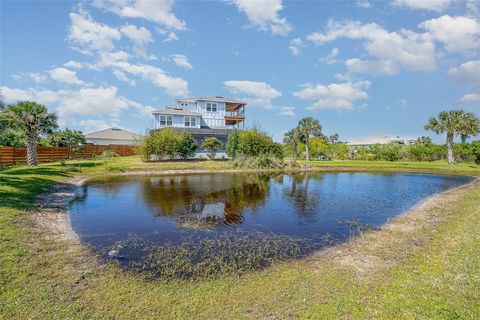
pixel 205 200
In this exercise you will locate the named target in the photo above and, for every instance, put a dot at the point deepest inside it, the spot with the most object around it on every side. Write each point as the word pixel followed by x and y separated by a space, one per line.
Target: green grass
pixel 430 273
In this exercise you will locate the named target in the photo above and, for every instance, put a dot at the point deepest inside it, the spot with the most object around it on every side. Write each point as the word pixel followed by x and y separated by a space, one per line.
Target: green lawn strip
pixel 42 278
pixel 439 280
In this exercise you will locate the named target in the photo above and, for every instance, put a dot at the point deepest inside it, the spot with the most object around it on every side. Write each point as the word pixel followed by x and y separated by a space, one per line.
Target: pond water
pixel 314 209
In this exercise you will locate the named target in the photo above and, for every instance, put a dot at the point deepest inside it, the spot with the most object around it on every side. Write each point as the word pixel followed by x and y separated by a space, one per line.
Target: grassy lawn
pixel 429 270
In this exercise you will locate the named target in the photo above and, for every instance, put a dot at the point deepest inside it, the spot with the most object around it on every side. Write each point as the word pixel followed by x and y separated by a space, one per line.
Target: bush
pixel 186 146
pixel 259 162
pixel 232 143
pixel 211 146
pixel 162 144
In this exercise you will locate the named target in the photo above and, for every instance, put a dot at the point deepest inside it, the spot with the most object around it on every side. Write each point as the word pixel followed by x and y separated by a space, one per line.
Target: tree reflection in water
pixel 206 200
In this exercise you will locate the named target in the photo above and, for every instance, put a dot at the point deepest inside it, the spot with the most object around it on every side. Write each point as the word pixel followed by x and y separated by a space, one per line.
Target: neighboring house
pixel 203 117
pixel 112 136
pixel 380 140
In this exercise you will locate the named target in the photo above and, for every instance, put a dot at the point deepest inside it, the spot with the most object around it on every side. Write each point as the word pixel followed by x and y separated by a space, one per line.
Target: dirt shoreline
pixel 51 219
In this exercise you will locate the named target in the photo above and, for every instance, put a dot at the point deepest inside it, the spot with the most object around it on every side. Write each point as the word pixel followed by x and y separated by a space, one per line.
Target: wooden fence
pixel 18 155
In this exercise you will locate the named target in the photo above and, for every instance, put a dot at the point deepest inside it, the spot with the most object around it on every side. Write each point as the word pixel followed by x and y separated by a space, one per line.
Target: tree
pixel 424 140
pixel 470 126
pixel 309 126
pixel 334 139
pixel 453 123
pixel 186 146
pixel 33 120
pixel 232 144
pixel 211 146
pixel 73 139
pixel 292 138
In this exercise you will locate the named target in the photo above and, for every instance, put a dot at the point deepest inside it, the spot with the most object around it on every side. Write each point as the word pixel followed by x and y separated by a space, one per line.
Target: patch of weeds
pixel 200 258
pixel 355 227
pixel 72 168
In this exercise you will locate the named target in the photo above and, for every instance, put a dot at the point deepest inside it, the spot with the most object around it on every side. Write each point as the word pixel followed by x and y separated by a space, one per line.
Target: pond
pixel 187 225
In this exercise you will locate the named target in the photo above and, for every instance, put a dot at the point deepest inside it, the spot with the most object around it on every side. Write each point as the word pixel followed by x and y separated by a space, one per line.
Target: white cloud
pixel 140 36
pixel 174 86
pixel 159 12
pixel 432 5
pixel 333 96
pixel 263 14
pixel 258 93
pixel 295 46
pixel 69 104
pixel 287 111
pixel 364 4
pixel 91 125
pixel 468 72
pixel 459 34
pixel 87 35
pixel 73 64
pixel 469 98
pixel 378 67
pixel 402 102
pixel 64 75
pixel 406 49
pixel 181 61
pixel 332 57
pixel 123 77
pixel 91 37
pixel 31 76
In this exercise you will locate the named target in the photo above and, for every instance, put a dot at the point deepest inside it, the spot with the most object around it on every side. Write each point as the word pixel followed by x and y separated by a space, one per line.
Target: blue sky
pixel 362 68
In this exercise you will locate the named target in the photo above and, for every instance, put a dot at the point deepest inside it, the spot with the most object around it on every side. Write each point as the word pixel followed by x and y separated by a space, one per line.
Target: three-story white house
pixel 203 117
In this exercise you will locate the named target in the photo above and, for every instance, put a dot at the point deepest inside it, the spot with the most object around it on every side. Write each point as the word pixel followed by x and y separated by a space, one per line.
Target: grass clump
pixel 200 258
pixel 260 162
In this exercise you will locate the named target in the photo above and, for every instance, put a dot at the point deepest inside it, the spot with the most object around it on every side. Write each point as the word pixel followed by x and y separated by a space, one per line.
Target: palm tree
pixel 292 138
pixel 307 127
pixel 32 119
pixel 470 126
pixel 454 122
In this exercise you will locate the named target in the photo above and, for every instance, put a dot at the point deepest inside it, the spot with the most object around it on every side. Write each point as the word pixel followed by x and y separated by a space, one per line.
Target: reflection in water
pixel 301 206
pixel 211 199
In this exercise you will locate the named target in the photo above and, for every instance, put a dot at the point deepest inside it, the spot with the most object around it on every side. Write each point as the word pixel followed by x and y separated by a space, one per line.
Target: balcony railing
pixel 237 113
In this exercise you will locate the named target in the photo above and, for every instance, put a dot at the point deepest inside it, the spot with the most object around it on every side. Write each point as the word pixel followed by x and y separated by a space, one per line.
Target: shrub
pixel 232 143
pixel 211 146
pixel 259 162
pixel 186 146
pixel 162 144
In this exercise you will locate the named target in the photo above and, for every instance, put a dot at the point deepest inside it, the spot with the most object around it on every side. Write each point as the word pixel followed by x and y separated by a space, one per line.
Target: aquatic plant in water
pixel 224 254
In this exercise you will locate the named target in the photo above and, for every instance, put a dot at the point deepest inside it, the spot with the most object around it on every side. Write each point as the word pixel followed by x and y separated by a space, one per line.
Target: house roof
pixel 177 111
pixel 113 134
pixel 213 98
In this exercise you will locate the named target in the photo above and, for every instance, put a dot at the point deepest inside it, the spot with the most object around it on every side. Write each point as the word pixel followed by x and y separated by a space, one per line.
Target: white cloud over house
pixel 337 96
pixel 256 93
pixel 264 15
pixel 97 39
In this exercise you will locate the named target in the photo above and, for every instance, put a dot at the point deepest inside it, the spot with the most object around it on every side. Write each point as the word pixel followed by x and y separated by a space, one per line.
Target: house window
pixel 183 104
pixel 190 121
pixel 166 120
pixel 211 107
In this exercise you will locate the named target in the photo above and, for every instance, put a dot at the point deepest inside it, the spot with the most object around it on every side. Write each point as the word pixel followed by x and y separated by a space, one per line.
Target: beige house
pixel 112 136
pixel 365 142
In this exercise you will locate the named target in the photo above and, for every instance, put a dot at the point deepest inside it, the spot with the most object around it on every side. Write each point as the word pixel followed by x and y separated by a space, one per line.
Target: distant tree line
pixel 306 141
